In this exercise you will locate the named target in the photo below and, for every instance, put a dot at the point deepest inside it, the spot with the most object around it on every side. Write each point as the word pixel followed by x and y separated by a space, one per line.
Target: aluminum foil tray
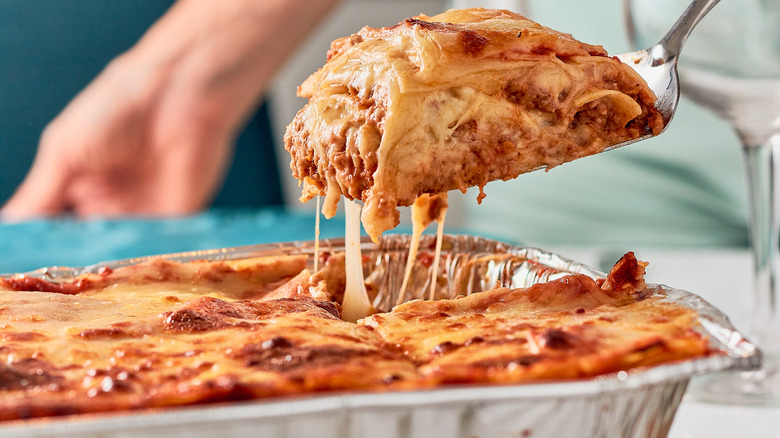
pixel 626 404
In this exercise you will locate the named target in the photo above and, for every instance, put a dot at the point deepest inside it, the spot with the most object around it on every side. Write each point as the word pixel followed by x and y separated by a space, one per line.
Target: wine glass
pixel 731 65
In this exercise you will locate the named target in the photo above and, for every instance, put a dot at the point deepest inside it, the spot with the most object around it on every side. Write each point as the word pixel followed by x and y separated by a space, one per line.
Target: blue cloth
pixel 32 245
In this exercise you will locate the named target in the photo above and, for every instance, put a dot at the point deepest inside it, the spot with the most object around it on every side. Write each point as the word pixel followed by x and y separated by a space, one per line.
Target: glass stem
pixel 763 163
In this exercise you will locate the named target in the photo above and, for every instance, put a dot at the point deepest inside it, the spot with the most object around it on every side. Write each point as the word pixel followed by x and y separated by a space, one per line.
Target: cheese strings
pixel 356 304
pixel 426 209
pixel 317 235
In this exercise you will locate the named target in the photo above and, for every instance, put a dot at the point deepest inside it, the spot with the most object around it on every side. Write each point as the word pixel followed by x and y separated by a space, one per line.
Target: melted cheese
pixel 418 226
pixel 437 254
pixel 567 328
pixel 422 216
pixel 317 236
pixel 356 304
pixel 165 333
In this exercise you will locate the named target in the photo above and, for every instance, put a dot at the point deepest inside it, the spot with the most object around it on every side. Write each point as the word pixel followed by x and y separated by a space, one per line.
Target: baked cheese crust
pixel 565 329
pixel 163 333
pixel 453 101
pixel 167 333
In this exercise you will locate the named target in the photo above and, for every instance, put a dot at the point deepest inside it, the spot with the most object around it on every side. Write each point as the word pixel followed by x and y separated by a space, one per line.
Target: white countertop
pixel 722 277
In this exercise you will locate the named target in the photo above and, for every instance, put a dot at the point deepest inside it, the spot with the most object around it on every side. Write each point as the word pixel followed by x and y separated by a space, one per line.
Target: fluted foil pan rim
pixel 739 354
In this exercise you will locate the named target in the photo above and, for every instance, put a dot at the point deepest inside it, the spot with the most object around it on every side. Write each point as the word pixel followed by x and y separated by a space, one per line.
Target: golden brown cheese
pixel 145 342
pixel 562 329
pixel 245 278
pixel 453 101
pixel 163 334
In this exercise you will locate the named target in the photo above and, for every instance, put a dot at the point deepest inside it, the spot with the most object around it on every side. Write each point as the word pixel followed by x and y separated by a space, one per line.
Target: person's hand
pixel 153 133
pixel 130 143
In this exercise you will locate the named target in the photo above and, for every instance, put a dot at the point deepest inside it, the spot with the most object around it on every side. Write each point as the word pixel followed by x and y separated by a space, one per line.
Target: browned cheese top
pixel 163 333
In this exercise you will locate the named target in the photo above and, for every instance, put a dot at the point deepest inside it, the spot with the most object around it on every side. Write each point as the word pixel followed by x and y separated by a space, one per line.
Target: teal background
pixel 66 242
pixel 51 49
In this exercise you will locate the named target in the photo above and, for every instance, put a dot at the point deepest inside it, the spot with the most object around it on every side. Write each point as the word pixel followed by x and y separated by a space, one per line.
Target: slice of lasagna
pixel 453 101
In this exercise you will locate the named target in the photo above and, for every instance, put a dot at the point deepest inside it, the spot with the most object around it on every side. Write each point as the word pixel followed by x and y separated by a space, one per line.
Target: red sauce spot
pixel 286 357
pixel 23 337
pixel 425 259
pixel 627 275
pixel 654 344
pixel 207 313
pixel 276 342
pixel 481 195
pixel 27 374
pixel 523 361
pixel 474 340
pixel 33 284
pixel 558 339
pixel 98 333
pixel 191 320
pixel 444 348
pixel 541 50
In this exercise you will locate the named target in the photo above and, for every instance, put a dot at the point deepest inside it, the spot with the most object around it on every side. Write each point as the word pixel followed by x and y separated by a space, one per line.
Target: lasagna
pixel 163 333
pixel 453 101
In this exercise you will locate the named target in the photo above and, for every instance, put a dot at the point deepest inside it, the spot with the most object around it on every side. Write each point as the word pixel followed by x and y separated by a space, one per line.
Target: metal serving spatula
pixel 658 64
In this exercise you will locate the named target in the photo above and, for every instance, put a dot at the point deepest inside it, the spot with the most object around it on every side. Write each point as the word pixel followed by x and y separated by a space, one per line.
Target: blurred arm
pixel 153 133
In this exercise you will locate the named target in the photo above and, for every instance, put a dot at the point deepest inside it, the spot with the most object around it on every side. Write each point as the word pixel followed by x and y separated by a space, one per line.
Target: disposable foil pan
pixel 627 404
